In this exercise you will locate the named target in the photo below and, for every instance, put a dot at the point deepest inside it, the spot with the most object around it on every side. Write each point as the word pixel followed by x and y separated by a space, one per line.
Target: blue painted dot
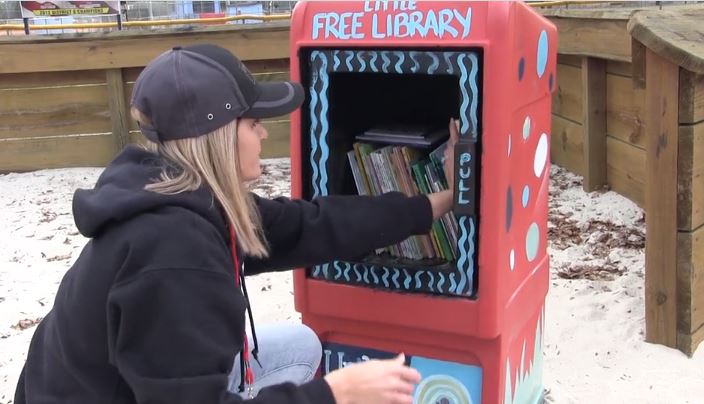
pixel 521 68
pixel 551 81
pixel 532 241
pixel 509 209
pixel 526 196
pixel 542 53
pixel 526 128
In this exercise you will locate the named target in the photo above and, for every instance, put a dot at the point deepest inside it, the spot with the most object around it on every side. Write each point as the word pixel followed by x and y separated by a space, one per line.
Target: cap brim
pixel 276 99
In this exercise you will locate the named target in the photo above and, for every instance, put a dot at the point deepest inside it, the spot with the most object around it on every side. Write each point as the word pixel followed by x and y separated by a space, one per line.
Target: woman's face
pixel 250 134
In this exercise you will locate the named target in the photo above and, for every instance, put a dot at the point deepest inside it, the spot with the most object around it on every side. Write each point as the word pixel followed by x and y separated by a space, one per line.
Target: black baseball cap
pixel 191 91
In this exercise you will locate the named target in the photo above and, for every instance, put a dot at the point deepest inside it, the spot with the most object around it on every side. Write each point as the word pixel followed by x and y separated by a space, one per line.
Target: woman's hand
pixel 374 382
pixel 449 157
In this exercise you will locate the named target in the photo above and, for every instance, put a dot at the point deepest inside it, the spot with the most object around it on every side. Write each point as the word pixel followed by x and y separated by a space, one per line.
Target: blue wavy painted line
pixel 463 253
pixel 447 56
pixel 325 270
pixel 324 150
pixel 475 93
pixel 441 282
pixel 365 275
pixel 432 279
pixel 346 273
pixel 395 276
pixel 453 284
pixel 362 63
pixel 407 280
pixel 401 58
pixel 348 61
pixel 418 274
pixel 372 63
pixel 316 271
pixel 314 128
pixel 387 62
pixel 338 274
pixel 465 96
pixel 374 277
pixel 415 61
pixel 470 267
pixel 356 272
pixel 436 62
pixel 336 58
pixel 385 277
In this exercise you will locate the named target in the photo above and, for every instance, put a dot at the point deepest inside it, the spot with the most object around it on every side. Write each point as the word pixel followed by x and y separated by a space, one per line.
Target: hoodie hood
pixel 119 194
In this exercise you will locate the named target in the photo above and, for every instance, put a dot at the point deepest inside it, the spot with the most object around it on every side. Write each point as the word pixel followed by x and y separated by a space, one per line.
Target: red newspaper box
pixel 466 302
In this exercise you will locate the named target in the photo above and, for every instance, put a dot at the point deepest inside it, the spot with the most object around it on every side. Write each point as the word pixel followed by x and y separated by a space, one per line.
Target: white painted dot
pixel 509 144
pixel 512 259
pixel 526 128
pixel 541 155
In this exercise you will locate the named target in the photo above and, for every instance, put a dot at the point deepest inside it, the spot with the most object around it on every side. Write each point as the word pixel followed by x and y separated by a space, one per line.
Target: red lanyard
pixel 249 375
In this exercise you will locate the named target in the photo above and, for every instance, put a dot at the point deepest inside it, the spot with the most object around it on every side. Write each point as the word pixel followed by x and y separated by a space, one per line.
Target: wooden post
pixel 118 108
pixel 594 121
pixel 661 117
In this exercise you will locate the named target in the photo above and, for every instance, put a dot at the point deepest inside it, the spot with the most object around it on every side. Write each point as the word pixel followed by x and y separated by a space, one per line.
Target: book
pixel 379 167
pixel 411 135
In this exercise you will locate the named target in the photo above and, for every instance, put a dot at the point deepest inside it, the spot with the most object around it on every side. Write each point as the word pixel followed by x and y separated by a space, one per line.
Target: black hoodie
pixel 150 313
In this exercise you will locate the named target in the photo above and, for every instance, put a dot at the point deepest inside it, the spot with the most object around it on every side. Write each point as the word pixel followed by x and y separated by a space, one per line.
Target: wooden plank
pixel 662 81
pixel 271 76
pixel 268 65
pixel 119 111
pixel 625 170
pixel 278 143
pixel 619 68
pixel 676 35
pixel 594 122
pixel 624 116
pixel 688 343
pixel 691 97
pixel 566 144
pixel 51 79
pixel 570 60
pixel 690 177
pixel 567 99
pixel 131 123
pixel 690 280
pixel 57 152
pixel 106 52
pixel 54 111
pixel 602 38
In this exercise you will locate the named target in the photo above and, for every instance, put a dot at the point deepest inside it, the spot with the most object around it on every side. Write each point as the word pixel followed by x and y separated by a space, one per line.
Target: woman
pixel 153 310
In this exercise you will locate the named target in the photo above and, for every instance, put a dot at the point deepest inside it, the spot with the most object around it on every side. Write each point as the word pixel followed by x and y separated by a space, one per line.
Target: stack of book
pixel 386 161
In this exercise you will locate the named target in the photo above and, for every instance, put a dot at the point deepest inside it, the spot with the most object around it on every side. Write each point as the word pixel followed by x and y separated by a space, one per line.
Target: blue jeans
pixel 287 352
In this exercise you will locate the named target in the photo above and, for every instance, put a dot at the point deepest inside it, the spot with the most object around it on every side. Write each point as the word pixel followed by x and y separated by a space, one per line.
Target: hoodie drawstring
pixel 246 374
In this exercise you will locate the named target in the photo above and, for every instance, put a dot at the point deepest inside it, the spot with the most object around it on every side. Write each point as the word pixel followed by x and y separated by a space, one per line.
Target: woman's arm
pixel 303 233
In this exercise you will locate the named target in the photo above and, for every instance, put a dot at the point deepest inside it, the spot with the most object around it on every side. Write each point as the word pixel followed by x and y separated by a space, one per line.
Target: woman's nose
pixel 265 133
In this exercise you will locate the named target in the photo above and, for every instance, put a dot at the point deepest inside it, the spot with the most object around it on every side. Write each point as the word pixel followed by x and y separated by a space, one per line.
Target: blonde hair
pixel 212 159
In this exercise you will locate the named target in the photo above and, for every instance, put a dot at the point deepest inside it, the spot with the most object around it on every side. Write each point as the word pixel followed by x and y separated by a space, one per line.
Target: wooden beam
pixel 18 155
pixel 661 83
pixel 625 170
pixel 690 282
pixel 119 112
pixel 691 97
pixel 119 51
pixel 690 177
pixel 567 98
pixel 624 114
pixel 601 38
pixel 594 122
pixel 566 144
pixel 54 111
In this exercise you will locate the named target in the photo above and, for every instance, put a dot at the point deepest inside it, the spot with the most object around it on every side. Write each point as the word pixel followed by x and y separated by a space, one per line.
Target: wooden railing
pixel 64 100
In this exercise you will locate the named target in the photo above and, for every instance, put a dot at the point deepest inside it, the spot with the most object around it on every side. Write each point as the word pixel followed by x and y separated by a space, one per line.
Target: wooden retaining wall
pixel 64 101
